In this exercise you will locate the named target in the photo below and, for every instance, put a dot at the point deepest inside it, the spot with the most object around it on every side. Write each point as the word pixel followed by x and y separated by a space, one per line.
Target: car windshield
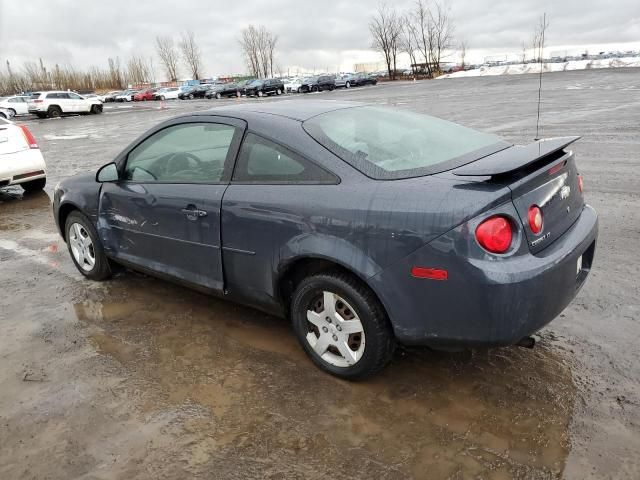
pixel 389 144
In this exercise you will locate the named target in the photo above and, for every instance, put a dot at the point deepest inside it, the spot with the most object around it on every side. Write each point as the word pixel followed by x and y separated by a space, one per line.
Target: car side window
pixel 263 161
pixel 185 153
pixel 74 96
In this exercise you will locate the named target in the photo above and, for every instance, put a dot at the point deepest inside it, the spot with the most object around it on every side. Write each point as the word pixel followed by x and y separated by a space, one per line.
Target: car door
pixel 19 105
pixel 80 104
pixel 259 216
pixel 163 214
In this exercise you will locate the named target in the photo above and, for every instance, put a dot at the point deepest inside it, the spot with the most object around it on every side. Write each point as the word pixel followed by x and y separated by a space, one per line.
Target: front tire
pixel 85 247
pixel 260 93
pixel 34 185
pixel 54 112
pixel 341 325
pixel 96 109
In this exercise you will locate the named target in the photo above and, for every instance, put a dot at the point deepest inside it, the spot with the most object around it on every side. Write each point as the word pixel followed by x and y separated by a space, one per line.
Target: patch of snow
pixel 519 69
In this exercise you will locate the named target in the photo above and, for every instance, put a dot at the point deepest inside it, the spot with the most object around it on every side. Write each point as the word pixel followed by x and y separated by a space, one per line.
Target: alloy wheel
pixel 82 247
pixel 335 331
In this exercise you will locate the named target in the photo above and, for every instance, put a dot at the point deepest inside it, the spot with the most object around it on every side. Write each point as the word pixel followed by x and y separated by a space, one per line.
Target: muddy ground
pixel 136 378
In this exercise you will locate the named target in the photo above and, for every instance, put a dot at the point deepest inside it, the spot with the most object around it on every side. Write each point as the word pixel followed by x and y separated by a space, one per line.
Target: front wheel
pixel 347 85
pixel 85 247
pixel 260 93
pixel 278 92
pixel 95 109
pixel 341 325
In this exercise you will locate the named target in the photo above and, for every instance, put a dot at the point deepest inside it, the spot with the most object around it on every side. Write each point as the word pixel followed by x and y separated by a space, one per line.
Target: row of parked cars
pixel 252 87
pixel 51 104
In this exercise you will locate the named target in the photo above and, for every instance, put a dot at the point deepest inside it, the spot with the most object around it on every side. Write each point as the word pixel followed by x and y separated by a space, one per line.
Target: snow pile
pixel 547 67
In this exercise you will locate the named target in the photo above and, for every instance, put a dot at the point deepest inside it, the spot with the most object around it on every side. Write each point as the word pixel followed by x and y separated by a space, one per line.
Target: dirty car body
pixel 249 224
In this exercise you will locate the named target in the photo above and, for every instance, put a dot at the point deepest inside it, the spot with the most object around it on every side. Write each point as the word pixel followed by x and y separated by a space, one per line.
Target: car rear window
pixel 389 144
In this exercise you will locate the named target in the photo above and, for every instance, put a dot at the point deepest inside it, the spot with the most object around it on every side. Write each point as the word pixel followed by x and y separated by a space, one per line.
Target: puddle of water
pixel 496 414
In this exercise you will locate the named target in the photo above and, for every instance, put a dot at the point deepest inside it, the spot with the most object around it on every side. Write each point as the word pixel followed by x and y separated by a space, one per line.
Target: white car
pixel 56 103
pixel 18 104
pixel 167 93
pixel 6 113
pixel 21 162
pixel 293 85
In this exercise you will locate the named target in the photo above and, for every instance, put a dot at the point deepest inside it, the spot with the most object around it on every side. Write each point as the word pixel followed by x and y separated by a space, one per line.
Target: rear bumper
pixel 22 167
pixel 485 302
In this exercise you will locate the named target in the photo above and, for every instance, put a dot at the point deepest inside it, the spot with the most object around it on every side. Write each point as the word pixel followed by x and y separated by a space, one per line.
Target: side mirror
pixel 107 173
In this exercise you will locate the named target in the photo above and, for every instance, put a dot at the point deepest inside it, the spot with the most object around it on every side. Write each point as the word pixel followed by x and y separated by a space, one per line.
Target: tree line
pixel 424 33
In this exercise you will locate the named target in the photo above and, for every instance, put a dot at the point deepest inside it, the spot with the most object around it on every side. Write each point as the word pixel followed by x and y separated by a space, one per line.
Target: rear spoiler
pixel 513 158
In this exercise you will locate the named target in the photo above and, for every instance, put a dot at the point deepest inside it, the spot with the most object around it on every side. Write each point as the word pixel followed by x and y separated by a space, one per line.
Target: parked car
pixel 365 225
pixel 223 90
pixel 144 95
pixel 21 162
pixel 318 83
pixel 126 96
pixel 242 84
pixel 292 85
pixel 360 79
pixel 111 96
pixel 16 103
pixel 260 88
pixel 167 93
pixel 57 103
pixel 6 113
pixel 197 91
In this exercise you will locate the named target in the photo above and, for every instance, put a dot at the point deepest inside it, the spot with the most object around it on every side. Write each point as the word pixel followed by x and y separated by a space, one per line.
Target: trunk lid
pixel 541 174
pixel 11 140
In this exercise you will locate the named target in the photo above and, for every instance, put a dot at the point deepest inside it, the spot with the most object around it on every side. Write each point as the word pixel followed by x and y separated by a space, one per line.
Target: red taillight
pixel 535 219
pixel 495 234
pixel 580 183
pixel 38 101
pixel 430 273
pixel 28 136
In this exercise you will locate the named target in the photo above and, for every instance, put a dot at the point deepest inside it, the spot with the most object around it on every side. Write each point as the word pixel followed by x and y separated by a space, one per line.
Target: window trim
pixel 229 162
pixel 336 178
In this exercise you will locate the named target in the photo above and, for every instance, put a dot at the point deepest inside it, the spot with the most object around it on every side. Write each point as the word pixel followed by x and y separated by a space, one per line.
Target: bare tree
pixel 524 52
pixel 138 71
pixel 442 28
pixel 539 38
pixel 463 52
pixel 115 73
pixel 168 56
pixel 191 54
pixel 423 33
pixel 258 46
pixel 386 29
pixel 409 41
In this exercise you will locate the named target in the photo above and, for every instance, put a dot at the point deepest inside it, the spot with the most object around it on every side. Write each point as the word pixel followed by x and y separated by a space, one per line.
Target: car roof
pixel 300 110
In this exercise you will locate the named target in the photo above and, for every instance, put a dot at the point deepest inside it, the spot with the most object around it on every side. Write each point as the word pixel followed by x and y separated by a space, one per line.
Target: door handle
pixel 193 213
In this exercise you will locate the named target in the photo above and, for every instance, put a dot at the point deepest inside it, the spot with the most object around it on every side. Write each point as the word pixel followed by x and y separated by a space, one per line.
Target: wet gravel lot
pixel 136 378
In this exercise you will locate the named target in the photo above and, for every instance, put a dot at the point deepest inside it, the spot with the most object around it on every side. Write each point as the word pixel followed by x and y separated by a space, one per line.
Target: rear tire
pixel 79 230
pixel 13 112
pixel 218 96
pixel 54 112
pixel 349 298
pixel 96 109
pixel 34 185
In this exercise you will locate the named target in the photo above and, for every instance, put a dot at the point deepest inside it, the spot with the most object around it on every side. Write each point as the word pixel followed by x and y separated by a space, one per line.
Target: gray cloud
pixel 320 35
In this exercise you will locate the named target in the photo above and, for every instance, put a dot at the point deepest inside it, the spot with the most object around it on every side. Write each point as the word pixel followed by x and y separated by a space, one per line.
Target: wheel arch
pixel 296 269
pixel 63 213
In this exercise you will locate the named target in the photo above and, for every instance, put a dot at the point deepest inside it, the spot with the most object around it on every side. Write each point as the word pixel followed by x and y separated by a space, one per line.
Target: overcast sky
pixel 322 35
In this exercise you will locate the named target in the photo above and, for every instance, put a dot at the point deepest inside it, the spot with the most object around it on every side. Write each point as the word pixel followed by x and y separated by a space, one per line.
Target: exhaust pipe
pixel 527 342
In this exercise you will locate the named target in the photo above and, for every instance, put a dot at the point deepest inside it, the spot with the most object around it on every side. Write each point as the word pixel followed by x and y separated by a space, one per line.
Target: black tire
pixel 260 93
pixel 162 97
pixel 13 112
pixel 191 97
pixel 101 270
pixel 54 112
pixel 218 96
pixel 96 109
pixel 2 115
pixel 380 341
pixel 34 185
pixel 278 92
pixel 315 89
pixel 347 85
pixel 331 88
